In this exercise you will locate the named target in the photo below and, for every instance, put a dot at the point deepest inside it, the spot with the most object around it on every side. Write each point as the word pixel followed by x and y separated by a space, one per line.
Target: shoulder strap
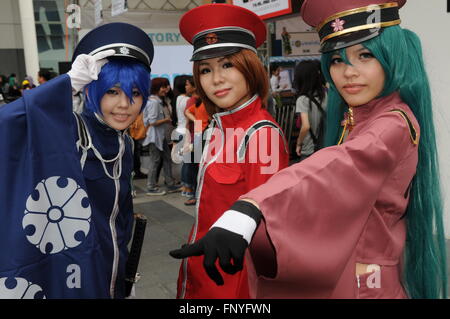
pixel 319 107
pixel 412 130
pixel 242 149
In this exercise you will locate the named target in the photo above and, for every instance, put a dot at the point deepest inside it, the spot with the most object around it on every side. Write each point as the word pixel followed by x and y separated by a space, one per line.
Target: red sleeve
pixel 191 101
pixel 191 109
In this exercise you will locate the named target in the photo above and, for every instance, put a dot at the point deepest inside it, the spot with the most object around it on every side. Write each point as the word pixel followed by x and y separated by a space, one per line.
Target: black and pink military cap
pixel 343 23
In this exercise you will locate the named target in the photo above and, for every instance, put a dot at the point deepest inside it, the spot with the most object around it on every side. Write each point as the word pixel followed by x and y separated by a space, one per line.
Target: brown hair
pixel 157 83
pixel 248 63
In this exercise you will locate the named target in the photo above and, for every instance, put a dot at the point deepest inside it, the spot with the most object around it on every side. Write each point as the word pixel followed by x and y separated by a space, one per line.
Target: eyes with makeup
pixel 116 91
pixel 206 68
pixel 362 56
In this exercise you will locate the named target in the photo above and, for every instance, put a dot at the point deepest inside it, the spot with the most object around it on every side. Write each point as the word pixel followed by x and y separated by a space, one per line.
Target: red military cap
pixel 221 29
pixel 343 23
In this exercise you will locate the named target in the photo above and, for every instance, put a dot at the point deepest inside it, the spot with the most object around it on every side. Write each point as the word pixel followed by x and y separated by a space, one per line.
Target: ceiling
pixel 148 5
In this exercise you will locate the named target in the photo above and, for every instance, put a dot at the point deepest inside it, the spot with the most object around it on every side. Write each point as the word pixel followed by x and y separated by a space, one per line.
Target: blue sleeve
pixel 45 211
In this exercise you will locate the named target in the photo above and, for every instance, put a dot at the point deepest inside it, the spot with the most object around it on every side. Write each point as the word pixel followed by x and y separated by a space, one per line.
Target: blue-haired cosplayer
pixel 65 178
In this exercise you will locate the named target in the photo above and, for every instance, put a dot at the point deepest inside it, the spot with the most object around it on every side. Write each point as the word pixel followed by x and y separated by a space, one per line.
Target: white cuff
pixel 238 223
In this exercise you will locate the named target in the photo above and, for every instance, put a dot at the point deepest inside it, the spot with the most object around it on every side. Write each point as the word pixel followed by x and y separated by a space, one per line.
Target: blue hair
pixel 400 53
pixel 130 75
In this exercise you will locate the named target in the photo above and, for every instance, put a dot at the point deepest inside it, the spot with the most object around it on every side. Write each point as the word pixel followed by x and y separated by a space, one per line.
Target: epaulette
pixel 412 130
pixel 242 149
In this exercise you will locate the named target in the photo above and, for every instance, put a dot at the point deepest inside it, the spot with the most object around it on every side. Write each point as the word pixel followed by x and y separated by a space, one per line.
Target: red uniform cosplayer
pixel 221 182
pixel 244 146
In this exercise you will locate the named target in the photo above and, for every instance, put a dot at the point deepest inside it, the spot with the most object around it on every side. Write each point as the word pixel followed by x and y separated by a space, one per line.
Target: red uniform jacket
pixel 343 205
pixel 244 148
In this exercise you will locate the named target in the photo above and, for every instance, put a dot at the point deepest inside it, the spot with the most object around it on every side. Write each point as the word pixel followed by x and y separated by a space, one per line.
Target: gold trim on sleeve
pixel 411 127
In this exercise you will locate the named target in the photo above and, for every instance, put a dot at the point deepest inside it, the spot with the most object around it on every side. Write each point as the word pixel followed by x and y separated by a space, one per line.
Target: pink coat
pixel 343 205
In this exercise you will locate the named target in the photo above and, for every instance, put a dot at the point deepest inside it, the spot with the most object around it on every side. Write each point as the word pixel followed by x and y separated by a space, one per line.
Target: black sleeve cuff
pixel 248 209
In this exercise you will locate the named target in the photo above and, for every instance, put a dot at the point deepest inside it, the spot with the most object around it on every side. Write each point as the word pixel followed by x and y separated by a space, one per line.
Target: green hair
pixel 400 53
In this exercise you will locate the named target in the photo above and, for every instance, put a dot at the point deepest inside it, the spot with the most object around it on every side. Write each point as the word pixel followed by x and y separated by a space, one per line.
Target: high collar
pixel 240 114
pixel 97 122
pixel 364 112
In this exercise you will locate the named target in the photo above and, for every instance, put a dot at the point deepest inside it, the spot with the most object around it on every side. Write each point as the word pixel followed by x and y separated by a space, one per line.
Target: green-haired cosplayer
pixel 361 218
pixel 400 54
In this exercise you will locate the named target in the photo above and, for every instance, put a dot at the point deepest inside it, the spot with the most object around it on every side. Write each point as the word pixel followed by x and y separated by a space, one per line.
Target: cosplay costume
pixel 231 163
pixel 318 244
pixel 65 198
pixel 221 183
pixel 365 181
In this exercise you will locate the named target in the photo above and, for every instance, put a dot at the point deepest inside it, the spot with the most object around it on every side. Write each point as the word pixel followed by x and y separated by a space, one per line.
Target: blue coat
pixel 60 234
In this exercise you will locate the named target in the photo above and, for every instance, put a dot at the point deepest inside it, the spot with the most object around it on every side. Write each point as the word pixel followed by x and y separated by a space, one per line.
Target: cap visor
pixel 349 39
pixel 214 53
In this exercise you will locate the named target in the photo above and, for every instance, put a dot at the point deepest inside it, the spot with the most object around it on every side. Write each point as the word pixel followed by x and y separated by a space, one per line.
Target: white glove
pixel 86 68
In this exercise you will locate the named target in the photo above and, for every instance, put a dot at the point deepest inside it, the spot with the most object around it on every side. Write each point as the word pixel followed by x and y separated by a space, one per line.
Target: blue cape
pixel 48 245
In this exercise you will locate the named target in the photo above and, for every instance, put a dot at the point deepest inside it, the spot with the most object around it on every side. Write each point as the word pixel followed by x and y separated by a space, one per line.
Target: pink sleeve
pixel 266 154
pixel 315 211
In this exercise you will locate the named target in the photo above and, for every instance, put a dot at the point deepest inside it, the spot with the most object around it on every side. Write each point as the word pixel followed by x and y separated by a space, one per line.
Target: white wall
pixel 10 28
pixel 430 20
pixel 170 61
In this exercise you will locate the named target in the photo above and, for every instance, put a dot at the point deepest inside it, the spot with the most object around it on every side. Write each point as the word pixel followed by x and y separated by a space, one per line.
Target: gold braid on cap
pixel 351 12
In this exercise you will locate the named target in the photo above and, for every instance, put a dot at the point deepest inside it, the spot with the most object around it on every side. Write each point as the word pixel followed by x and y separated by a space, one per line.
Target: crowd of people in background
pixel 169 120
pixel 11 88
pixel 171 114
pixel 181 106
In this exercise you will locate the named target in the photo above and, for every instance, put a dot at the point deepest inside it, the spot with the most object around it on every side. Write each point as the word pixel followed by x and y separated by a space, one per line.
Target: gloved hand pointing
pixel 227 240
pixel 86 68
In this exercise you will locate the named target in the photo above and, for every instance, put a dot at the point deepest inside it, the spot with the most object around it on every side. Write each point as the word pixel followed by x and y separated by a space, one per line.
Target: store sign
pixel 266 8
pixel 304 43
pixel 159 36
pixel 166 37
pixel 118 7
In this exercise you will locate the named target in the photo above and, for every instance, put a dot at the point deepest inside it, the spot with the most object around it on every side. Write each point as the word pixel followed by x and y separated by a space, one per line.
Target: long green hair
pixel 400 53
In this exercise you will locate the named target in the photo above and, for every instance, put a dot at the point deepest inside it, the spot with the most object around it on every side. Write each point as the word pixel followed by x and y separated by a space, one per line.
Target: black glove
pixel 220 242
pixel 217 243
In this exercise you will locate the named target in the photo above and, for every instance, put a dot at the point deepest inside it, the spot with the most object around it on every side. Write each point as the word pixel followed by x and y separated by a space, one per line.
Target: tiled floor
pixel 169 222
pixel 167 229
